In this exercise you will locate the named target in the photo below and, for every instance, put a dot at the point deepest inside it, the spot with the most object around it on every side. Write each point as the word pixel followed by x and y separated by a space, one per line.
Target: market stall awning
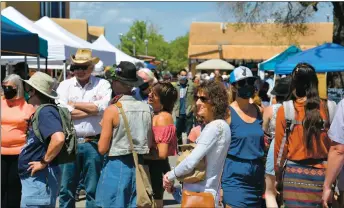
pixel 270 64
pixel 328 57
pixel 103 43
pixel 15 40
pixel 215 64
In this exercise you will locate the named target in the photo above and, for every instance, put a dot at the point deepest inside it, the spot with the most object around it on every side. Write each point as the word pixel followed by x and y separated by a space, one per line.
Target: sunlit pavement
pixel 168 198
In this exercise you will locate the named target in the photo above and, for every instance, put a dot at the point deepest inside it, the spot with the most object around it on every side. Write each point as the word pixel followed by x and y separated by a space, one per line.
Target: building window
pixel 53 9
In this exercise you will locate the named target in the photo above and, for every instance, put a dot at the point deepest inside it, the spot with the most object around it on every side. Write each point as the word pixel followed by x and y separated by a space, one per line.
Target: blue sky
pixel 172 18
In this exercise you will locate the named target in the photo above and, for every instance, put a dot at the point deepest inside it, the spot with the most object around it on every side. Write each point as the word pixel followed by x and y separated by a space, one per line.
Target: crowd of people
pixel 264 145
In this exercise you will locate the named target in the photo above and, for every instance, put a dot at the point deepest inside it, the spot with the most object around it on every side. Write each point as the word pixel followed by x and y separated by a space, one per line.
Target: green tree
pixel 175 52
pixel 290 15
pixel 179 53
pixel 142 31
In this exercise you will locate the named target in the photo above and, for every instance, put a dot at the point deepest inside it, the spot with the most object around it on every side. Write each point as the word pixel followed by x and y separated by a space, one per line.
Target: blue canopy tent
pixel 328 57
pixel 15 40
pixel 270 64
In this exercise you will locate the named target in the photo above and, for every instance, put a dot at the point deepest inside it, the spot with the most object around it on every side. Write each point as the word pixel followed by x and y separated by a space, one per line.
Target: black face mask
pixel 246 91
pixel 9 92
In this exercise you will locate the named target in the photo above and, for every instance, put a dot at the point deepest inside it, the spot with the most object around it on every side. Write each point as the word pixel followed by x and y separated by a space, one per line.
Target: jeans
pixel 184 124
pixel 10 182
pixel 89 161
pixel 42 189
pixel 117 183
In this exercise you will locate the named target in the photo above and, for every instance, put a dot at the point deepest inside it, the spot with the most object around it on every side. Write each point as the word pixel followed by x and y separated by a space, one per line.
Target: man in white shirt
pixel 86 97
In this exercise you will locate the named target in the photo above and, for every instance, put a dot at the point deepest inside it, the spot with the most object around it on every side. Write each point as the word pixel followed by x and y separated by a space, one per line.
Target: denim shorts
pixel 269 167
pixel 42 189
pixel 117 182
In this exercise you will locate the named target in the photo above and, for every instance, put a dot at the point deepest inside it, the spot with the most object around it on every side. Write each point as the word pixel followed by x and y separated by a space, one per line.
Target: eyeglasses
pixel 248 81
pixel 202 98
pixel 79 67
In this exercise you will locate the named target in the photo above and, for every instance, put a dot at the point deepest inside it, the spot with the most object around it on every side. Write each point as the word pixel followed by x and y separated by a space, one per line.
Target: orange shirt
pixel 14 125
pixel 295 146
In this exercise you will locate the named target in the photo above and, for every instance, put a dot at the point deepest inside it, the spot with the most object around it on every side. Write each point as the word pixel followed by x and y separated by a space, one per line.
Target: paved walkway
pixel 168 198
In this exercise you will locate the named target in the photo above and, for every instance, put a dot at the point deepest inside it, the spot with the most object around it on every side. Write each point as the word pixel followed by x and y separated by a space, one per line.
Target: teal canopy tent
pixel 15 40
pixel 270 64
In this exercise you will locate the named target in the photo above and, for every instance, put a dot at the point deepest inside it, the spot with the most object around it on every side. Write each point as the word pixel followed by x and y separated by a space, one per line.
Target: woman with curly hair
pixel 213 143
pixel 243 173
pixel 162 97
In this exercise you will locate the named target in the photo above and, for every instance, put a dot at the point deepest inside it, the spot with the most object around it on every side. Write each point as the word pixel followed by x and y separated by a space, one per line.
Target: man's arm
pixel 94 108
pixel 79 114
pixel 335 164
pixel 55 146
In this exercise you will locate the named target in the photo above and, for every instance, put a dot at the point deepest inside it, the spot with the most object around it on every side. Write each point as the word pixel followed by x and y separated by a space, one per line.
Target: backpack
pixel 69 149
pixel 289 112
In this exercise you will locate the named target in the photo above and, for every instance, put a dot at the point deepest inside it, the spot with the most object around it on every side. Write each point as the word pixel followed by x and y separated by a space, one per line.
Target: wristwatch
pixel 44 162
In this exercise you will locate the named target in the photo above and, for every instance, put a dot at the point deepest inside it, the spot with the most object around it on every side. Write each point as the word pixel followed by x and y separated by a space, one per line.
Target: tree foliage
pixel 291 16
pixel 175 53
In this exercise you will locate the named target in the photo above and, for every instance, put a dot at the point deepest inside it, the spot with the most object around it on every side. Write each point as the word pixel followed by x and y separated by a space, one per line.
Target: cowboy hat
pixel 84 56
pixel 43 83
pixel 125 73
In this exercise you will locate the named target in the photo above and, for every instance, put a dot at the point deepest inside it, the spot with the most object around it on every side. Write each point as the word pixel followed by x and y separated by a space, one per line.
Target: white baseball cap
pixel 240 73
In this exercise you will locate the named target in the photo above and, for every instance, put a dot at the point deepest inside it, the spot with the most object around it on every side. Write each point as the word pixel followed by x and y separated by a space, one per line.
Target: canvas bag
pixel 198 174
pixel 144 189
pixel 69 149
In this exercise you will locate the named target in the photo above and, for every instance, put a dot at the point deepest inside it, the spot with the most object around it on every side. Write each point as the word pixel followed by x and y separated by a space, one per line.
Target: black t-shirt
pixel 34 150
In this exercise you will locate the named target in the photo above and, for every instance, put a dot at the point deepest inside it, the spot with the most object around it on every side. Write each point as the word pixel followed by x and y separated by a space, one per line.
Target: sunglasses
pixel 7 87
pixel 79 67
pixel 244 82
pixel 202 98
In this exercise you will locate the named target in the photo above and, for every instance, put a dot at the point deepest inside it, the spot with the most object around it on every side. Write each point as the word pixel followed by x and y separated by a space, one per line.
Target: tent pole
pixel 64 70
pixel 46 65
pixel 38 64
pixel 26 69
pixel 275 77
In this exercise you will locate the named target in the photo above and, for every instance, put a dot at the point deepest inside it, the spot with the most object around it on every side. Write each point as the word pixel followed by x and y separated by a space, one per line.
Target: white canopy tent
pixel 58 50
pixel 107 57
pixel 215 64
pixel 103 43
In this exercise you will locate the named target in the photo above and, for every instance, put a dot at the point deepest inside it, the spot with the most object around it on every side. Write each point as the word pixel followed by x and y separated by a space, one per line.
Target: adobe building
pixel 245 45
pixel 34 10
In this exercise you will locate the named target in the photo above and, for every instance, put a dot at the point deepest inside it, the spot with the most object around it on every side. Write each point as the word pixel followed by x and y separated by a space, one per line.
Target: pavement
pixel 169 202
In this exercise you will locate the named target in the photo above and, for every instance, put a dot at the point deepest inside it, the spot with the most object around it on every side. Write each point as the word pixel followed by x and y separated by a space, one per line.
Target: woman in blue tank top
pixel 243 173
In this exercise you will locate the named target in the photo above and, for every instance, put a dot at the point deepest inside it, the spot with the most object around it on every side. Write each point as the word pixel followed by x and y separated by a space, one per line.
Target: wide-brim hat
pixel 282 87
pixel 125 72
pixel 43 83
pixel 84 56
pixel 240 73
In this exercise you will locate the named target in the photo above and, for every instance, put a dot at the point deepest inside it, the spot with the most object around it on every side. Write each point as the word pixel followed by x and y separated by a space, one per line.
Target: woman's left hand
pixel 166 183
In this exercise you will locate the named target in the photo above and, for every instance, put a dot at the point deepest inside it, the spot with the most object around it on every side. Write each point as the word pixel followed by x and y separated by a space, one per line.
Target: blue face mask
pixel 182 78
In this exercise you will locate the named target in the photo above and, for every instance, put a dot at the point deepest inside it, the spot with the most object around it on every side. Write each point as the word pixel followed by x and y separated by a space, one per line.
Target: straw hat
pixel 43 83
pixel 84 56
